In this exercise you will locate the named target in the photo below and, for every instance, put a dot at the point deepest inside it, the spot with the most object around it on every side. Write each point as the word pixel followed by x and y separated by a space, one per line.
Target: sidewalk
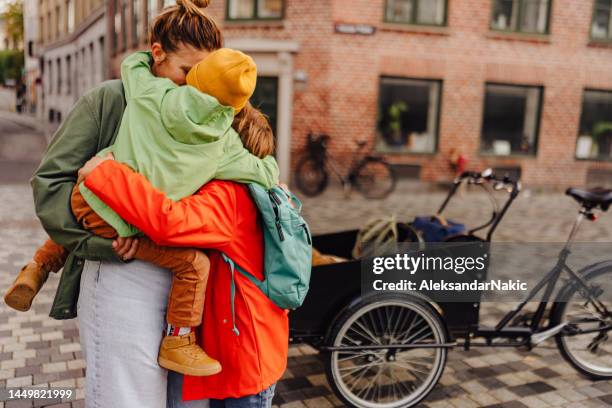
pixel 29 121
pixel 23 141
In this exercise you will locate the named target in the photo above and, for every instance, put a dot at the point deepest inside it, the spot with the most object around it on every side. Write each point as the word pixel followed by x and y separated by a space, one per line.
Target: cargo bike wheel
pixel 365 373
pixel 585 340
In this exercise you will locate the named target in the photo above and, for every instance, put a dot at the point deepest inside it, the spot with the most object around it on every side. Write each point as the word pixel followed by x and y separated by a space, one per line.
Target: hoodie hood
pixel 193 117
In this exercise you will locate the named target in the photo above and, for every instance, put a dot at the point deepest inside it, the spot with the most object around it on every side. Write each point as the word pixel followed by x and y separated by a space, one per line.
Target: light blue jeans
pixel 175 393
pixel 121 314
pixel 175 399
pixel 261 400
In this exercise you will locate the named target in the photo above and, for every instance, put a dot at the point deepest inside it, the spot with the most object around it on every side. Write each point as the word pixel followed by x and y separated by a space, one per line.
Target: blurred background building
pixel 523 86
pixel 32 76
pixel 71 49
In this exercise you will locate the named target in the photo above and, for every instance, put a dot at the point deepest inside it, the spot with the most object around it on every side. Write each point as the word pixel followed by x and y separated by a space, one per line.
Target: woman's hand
pixel 91 165
pixel 125 247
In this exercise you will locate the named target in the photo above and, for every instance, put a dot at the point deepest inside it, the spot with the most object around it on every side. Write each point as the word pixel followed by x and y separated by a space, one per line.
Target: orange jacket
pixel 221 217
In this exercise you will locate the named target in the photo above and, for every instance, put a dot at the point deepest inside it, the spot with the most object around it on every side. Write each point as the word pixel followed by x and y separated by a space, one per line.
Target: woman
pixel 223 218
pixel 121 306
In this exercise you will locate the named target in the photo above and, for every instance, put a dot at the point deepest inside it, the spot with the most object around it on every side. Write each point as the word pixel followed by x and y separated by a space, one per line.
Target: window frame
pixel 608 39
pixel 536 138
pixel 517 30
pixel 255 13
pixel 437 119
pixel 589 159
pixel 413 19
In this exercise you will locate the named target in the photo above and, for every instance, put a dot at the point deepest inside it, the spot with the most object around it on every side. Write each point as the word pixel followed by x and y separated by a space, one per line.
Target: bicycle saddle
pixel 597 197
pixel 361 143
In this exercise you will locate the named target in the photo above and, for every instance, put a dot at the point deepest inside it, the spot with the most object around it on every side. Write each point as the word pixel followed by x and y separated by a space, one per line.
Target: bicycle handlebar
pixel 499 183
pixel 495 183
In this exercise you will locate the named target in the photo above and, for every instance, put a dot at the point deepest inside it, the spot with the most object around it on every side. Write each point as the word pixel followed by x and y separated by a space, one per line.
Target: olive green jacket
pixel 91 126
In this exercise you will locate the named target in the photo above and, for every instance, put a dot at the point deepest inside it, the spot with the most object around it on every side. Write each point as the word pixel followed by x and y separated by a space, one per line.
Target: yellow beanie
pixel 228 75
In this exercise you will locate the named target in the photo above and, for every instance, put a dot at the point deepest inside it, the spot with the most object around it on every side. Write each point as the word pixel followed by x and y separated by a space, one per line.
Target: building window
pixel 50 76
pixel 59 76
pixel 601 28
pixel 151 11
pixel 116 28
pixel 136 22
pixel 70 8
pixel 49 27
pixel 426 12
pixel 595 133
pixel 265 98
pixel 511 119
pixel 408 112
pixel 68 74
pixel 41 28
pixel 124 12
pixel 255 9
pixel 92 65
pixel 528 16
pixel 101 54
pixel 83 78
pixel 59 24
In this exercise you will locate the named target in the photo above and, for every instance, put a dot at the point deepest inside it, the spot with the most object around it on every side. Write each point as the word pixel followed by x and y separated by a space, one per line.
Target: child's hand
pixel 125 247
pixel 91 165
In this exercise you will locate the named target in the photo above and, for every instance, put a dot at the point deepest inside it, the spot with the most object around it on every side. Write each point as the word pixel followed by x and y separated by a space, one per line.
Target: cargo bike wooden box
pixel 389 349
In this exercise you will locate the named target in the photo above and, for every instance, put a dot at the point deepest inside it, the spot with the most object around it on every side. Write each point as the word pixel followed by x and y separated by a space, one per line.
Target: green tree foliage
pixel 13 17
pixel 11 65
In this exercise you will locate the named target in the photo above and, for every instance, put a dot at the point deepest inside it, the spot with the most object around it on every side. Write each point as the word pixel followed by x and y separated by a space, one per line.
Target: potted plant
pixel 393 131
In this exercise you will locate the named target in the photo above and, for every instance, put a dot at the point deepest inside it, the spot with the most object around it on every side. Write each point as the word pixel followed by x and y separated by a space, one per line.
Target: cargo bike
pixel 389 350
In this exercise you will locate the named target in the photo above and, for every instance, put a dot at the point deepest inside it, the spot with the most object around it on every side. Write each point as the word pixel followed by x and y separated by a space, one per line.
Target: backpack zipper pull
pixel 274 197
pixel 307 234
pixel 279 229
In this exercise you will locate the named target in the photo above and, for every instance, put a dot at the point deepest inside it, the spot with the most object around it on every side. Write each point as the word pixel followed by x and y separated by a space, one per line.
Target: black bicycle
pixel 371 175
pixel 389 350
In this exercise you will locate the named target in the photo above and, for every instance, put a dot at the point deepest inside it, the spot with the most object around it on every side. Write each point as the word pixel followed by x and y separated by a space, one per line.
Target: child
pixel 179 138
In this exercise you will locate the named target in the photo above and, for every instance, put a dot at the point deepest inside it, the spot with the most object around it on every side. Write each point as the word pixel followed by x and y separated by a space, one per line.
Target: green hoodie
pixel 178 138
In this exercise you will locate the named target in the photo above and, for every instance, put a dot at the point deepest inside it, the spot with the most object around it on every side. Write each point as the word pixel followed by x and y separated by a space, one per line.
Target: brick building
pixel 520 85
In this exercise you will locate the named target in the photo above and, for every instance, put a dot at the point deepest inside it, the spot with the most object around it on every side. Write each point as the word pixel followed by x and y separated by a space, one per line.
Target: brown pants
pixel 189 266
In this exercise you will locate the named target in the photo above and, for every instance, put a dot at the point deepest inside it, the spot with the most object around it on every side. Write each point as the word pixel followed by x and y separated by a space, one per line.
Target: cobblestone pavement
pixel 36 350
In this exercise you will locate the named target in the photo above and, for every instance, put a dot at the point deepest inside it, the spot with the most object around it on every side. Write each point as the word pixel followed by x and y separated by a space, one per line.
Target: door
pixel 265 98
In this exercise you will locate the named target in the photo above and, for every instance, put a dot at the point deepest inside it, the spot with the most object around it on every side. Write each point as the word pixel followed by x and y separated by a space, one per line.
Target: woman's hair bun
pixel 189 3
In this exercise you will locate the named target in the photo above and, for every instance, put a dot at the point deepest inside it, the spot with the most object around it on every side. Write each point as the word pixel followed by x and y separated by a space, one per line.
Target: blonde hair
pixel 186 23
pixel 255 131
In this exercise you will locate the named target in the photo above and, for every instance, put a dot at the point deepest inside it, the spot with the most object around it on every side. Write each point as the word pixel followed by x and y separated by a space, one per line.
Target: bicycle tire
pixel 368 304
pixel 306 167
pixel 365 182
pixel 557 317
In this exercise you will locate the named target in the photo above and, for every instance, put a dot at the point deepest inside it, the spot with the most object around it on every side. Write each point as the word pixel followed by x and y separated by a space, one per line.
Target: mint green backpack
pixel 287 247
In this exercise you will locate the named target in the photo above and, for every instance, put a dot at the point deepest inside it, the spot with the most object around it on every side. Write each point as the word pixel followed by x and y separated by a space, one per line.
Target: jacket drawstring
pixel 232 293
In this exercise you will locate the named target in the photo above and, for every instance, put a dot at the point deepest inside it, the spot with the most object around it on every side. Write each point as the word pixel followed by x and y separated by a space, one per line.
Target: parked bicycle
pixel 371 175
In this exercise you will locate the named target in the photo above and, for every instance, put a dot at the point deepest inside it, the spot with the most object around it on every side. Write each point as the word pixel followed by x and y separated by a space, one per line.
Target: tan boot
pixel 27 284
pixel 183 355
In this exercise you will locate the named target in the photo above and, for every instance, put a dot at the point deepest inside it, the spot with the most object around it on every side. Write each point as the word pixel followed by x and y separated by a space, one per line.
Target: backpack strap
pixel 232 292
pixel 233 267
